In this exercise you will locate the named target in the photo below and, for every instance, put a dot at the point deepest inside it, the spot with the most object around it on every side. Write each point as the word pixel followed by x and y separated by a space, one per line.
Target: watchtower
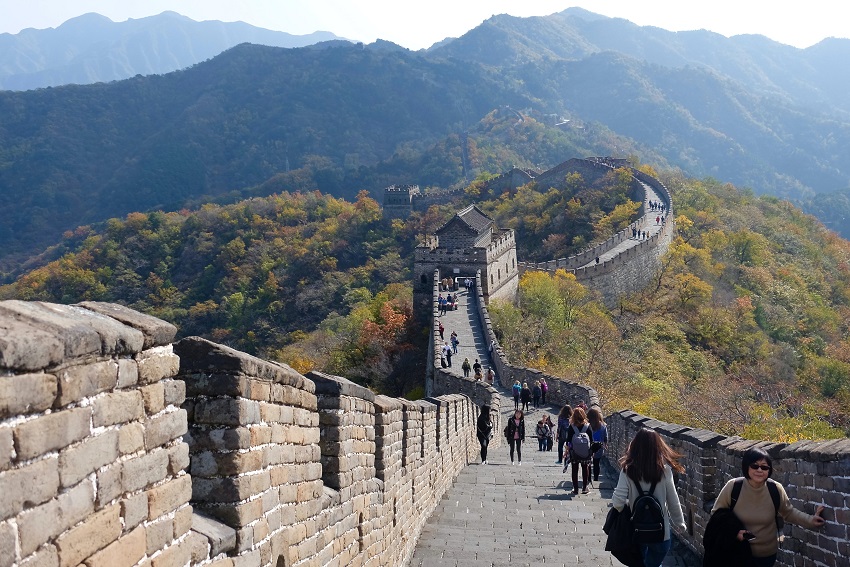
pixel 398 200
pixel 468 242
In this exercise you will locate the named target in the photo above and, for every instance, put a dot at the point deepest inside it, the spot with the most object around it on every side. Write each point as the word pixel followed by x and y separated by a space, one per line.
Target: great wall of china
pixel 119 447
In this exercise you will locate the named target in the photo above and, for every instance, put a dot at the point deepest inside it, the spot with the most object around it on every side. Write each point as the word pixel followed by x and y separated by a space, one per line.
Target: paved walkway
pixel 464 321
pixel 647 223
pixel 502 515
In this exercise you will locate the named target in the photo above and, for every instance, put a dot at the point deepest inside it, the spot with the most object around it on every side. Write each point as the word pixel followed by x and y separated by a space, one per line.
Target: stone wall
pixel 315 470
pixel 813 473
pixel 92 461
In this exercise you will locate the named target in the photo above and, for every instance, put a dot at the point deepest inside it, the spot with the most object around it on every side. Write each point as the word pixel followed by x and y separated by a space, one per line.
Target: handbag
pixel 618 526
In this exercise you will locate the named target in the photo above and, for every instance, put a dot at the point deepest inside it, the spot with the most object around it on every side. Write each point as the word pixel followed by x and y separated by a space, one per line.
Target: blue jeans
pixel 654 553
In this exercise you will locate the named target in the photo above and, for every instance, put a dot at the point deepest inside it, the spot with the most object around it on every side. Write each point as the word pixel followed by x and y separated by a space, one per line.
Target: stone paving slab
pixel 502 515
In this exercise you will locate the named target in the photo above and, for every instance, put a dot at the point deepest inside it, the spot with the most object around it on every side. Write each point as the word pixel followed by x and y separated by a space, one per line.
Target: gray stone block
pixel 51 432
pixel 221 538
pixel 26 393
pixel 156 331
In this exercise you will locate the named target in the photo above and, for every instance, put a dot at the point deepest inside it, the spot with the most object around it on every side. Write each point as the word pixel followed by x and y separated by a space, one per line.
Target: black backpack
pixel 647 517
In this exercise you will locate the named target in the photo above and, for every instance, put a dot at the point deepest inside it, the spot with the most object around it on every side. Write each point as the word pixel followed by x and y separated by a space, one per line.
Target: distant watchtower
pixel 468 242
pixel 398 200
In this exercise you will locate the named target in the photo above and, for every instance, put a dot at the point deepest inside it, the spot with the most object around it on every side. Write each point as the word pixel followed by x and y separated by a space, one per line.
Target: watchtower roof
pixel 471 217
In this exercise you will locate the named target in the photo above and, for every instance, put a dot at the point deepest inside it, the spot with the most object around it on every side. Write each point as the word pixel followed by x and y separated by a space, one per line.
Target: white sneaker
pixel 520 463
pixel 512 463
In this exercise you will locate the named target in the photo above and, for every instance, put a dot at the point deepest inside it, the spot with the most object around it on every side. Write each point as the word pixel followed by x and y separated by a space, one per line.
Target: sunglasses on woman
pixel 756 467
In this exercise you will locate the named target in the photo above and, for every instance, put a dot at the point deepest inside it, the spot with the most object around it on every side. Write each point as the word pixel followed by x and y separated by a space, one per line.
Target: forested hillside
pixel 341 118
pixel 745 329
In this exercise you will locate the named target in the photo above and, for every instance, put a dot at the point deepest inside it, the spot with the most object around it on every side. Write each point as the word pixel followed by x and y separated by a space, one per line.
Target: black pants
pixel 484 442
pixel 585 474
pixel 518 444
pixel 516 402
pixel 596 469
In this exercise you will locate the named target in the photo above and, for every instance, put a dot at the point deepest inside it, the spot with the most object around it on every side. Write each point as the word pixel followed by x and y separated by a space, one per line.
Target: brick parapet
pixel 316 469
pixel 92 461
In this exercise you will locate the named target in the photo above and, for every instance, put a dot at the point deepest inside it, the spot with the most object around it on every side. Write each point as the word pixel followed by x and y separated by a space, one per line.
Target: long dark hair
pixel 566 412
pixel 594 417
pixel 646 456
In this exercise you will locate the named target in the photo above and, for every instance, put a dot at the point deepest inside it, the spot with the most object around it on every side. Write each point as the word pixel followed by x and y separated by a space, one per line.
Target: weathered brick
pixel 182 520
pixel 98 531
pixel 227 411
pixel 145 470
pixel 169 496
pixel 156 364
pixel 6 448
pixel 75 463
pixel 47 556
pixel 85 380
pixel 50 432
pixel 134 510
pixel 159 535
pixel 162 428
pixel 43 523
pixel 131 438
pixel 117 407
pixel 154 396
pixel 31 485
pixel 175 392
pixel 177 555
pixel 178 458
pixel 110 484
pixel 8 538
pixel 26 393
pixel 125 552
pixel 128 373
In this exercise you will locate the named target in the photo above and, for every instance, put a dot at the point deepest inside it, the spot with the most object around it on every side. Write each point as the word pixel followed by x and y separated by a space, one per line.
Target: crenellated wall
pixel 118 448
pixel 316 470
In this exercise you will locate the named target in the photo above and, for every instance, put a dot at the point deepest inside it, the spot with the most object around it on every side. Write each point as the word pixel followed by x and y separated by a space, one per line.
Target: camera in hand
pixel 749 536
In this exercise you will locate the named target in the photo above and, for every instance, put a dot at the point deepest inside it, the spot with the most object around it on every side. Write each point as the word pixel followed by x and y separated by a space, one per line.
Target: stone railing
pixel 813 473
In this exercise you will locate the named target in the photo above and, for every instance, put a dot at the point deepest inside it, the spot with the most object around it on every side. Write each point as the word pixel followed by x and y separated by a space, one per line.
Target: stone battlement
pixel 118 448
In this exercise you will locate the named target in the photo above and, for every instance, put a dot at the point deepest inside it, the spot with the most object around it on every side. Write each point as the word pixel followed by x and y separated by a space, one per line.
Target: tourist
pixel 649 463
pixel 544 389
pixel 600 435
pixel 517 392
pixel 579 425
pixel 541 435
pixel 563 425
pixel 525 396
pixel 491 376
pixel 550 432
pixel 754 508
pixel 484 431
pixel 477 367
pixel 515 433
pixel 536 392
pixel 466 367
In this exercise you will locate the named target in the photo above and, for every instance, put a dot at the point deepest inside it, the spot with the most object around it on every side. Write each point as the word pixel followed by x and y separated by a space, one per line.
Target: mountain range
pixel 93 49
pixel 341 117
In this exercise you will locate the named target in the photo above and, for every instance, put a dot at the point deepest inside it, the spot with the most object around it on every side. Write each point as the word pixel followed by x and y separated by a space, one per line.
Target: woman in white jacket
pixel 649 460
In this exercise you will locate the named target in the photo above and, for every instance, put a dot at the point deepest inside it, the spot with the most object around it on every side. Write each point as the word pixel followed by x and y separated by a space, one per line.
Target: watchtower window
pixel 424 279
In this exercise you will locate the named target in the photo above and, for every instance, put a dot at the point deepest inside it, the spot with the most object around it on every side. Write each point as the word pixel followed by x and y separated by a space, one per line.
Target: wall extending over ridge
pixel 105 461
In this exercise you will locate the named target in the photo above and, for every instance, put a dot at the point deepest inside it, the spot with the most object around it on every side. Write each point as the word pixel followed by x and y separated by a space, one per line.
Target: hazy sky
pixel 417 24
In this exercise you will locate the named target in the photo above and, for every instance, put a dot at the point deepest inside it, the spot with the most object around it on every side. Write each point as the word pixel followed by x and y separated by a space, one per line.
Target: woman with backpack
pixel 600 435
pixel 646 485
pixel 563 425
pixel 759 505
pixel 578 441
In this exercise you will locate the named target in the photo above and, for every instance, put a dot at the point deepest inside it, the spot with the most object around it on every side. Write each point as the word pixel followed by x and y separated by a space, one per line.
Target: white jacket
pixel 665 493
